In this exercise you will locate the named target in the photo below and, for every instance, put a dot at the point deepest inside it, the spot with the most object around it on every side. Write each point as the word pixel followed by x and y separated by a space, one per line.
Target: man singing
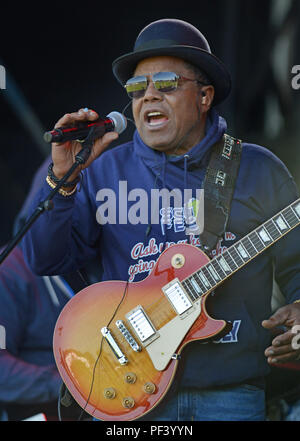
pixel 175 84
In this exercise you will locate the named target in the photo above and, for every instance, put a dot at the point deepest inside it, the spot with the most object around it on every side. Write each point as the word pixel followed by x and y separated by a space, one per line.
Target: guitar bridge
pixel 114 346
pixel 128 337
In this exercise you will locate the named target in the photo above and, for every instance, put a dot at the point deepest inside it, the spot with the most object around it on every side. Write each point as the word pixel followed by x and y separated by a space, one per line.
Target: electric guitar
pixel 117 344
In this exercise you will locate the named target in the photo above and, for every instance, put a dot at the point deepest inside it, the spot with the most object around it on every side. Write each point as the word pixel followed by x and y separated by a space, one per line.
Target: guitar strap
pixel 219 185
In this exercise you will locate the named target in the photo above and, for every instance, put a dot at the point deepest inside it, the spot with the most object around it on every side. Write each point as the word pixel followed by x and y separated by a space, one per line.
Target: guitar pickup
pixel 114 346
pixel 177 297
pixel 142 325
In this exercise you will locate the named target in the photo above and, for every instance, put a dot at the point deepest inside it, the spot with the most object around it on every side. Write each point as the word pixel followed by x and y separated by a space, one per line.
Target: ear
pixel 207 96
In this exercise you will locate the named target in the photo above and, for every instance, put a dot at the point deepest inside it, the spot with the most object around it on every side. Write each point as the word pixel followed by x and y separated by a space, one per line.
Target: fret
pixel 213 273
pixel 199 282
pixel 229 260
pixel 272 229
pixel 264 235
pixel 193 292
pixel 290 217
pixel 208 276
pixel 216 265
pixel 224 265
pixel 196 286
pixel 188 289
pixel 251 250
pixel 240 248
pixel 256 241
pixel 236 257
pixel 281 223
pixel 204 280
pixel 296 209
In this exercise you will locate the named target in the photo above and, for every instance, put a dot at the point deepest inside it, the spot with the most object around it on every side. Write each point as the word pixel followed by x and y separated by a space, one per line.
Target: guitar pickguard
pixel 171 335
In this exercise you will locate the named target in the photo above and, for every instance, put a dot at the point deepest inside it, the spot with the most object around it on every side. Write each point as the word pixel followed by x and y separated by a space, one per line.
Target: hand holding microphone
pixel 114 122
pixel 74 127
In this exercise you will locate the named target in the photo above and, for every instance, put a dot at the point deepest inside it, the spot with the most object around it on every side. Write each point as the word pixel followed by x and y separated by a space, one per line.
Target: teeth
pixel 154 114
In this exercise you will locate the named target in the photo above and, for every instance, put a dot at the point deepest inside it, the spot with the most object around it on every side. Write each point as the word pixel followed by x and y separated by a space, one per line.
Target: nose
pixel 152 93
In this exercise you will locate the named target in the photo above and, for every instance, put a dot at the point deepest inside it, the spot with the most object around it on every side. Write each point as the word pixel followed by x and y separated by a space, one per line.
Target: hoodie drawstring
pixel 186 158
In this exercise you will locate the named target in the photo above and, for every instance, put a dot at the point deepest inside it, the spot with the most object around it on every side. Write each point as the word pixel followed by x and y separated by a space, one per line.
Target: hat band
pixel 153 44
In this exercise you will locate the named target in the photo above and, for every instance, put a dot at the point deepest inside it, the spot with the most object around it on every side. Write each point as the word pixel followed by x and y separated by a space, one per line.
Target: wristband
pixel 55 180
pixel 60 191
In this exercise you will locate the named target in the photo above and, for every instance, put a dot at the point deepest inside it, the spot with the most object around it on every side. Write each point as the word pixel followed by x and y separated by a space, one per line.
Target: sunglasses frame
pixel 141 92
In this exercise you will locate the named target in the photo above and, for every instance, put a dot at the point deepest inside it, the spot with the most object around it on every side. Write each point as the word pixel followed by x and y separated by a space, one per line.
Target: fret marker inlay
pixel 263 235
pixel 281 224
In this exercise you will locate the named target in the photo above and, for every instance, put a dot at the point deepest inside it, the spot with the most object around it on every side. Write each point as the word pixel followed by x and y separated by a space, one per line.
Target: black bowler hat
pixel 180 39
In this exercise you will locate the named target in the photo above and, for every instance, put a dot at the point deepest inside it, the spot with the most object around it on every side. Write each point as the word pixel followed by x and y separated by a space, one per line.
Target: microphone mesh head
pixel 119 120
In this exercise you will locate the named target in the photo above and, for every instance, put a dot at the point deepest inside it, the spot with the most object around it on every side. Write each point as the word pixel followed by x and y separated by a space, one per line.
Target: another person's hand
pixel 63 154
pixel 283 348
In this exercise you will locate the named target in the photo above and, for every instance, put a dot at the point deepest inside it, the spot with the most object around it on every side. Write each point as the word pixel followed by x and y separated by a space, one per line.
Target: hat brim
pixel 124 66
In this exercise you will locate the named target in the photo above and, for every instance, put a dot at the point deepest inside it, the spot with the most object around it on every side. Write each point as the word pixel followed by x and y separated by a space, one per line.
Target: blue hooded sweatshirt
pixel 75 231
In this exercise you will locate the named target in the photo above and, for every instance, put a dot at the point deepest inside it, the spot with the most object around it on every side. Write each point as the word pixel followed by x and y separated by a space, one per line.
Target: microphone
pixel 114 122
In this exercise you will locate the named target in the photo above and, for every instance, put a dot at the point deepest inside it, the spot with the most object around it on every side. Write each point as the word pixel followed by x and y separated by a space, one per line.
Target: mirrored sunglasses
pixel 162 81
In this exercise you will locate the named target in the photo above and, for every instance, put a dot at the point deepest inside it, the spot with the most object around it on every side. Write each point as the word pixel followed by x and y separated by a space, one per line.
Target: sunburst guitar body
pixel 117 344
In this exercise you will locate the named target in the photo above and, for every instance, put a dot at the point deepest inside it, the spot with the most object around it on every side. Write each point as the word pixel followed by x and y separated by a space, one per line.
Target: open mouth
pixel 155 119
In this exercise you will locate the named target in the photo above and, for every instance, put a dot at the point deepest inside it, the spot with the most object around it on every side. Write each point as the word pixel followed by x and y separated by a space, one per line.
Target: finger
pixel 66 120
pixel 89 114
pixel 276 351
pixel 284 358
pixel 283 339
pixel 83 114
pixel 102 143
pixel 277 319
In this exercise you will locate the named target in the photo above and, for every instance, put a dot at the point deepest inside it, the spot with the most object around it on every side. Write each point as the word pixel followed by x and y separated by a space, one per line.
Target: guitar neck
pixel 214 273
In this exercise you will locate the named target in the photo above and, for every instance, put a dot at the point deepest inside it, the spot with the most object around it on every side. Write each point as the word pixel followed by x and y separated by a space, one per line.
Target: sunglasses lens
pixel 135 87
pixel 165 81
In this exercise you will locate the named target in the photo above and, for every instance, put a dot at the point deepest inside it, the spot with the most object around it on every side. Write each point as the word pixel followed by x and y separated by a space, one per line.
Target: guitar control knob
pixel 130 377
pixel 109 393
pixel 128 402
pixel 149 388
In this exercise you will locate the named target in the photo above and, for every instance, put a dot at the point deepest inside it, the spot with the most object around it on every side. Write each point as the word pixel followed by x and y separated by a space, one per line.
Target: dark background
pixel 58 59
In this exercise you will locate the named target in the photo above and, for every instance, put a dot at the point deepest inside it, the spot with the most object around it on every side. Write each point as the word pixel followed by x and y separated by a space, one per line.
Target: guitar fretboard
pixel 223 266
